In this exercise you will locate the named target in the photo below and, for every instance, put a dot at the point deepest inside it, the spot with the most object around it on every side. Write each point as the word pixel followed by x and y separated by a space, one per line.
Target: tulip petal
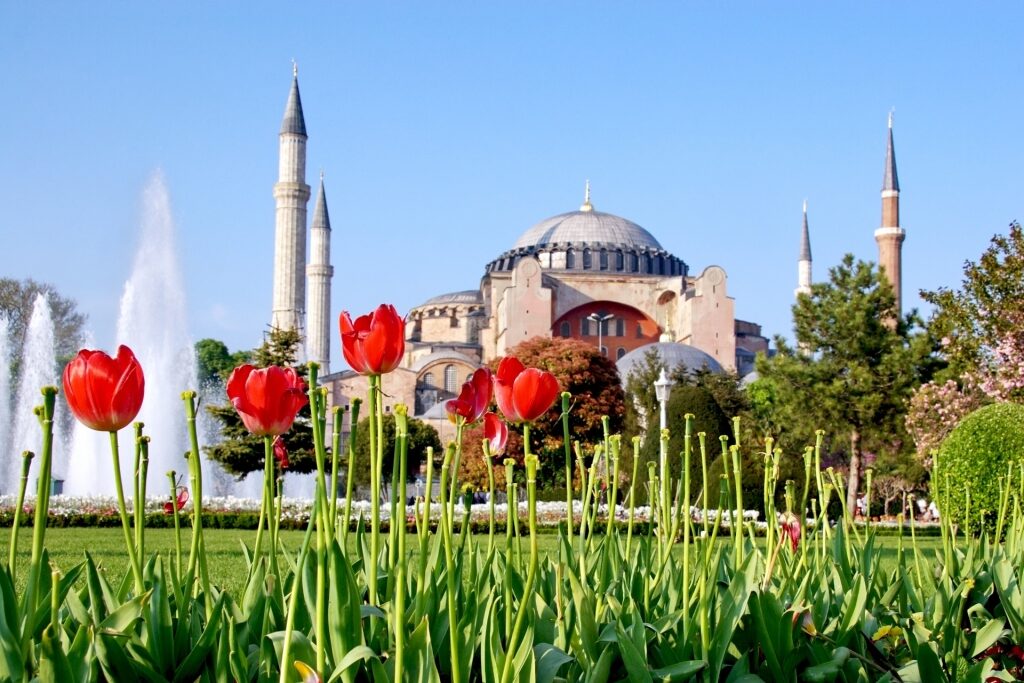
pixel 533 393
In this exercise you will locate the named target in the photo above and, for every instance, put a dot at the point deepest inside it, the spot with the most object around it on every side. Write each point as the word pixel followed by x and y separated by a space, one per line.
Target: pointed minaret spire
pixel 291 195
pixel 587 206
pixel 890 235
pixel 294 122
pixel 318 284
pixel 890 181
pixel 804 264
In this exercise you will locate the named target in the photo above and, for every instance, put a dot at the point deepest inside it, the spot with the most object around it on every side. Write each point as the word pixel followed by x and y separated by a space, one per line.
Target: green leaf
pixel 419 657
pixel 189 669
pixel 680 671
pixel 549 660
pixel 928 665
pixel 828 671
pixel 121 619
pixel 987 636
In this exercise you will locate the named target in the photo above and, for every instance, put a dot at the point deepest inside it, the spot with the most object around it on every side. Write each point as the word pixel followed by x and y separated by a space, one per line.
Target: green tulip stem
pixel 509 498
pixel 453 477
pixel 531 577
pixel 737 521
pixel 401 453
pixel 567 447
pixel 26 464
pixel 336 417
pixel 293 603
pixel 632 495
pixel 319 518
pixel 133 558
pixel 268 473
pixel 172 479
pixel 376 457
pixel 454 638
pixel 424 537
pixel 42 511
pixel 488 460
pixel 350 471
pixel 140 505
pixel 197 552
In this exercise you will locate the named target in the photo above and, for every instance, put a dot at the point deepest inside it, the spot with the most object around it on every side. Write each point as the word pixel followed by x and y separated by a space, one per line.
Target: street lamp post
pixel 662 388
pixel 600 320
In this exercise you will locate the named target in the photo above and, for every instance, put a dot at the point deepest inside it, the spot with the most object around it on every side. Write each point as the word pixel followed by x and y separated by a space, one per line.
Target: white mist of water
pixel 5 391
pixel 153 322
pixel 38 369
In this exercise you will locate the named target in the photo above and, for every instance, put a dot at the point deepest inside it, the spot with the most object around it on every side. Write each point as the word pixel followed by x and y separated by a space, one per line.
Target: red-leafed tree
pixel 596 389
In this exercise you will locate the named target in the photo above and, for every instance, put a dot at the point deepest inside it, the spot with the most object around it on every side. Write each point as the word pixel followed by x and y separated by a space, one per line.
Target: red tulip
pixel 281 452
pixel 267 399
pixel 104 393
pixel 496 433
pixel 475 397
pixel 791 527
pixel 179 501
pixel 523 394
pixel 374 343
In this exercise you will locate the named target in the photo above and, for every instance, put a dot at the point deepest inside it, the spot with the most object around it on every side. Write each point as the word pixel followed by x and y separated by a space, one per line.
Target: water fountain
pixel 38 369
pixel 5 392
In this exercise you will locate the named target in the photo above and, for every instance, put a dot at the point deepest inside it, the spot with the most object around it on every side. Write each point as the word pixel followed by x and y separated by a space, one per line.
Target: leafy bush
pixel 973 458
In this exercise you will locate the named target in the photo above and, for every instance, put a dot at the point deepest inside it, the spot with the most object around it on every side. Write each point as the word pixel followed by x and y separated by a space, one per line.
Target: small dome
pixel 588 227
pixel 672 354
pixel 466 296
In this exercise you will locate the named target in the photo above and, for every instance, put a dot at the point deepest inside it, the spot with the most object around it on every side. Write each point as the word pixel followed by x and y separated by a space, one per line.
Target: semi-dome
pixel 587 227
pixel 672 354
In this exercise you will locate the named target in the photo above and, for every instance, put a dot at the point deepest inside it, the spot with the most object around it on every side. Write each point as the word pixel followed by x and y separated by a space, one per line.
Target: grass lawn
pixel 67 547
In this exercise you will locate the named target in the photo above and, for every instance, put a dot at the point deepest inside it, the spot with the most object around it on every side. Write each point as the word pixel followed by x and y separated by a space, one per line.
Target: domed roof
pixel 466 296
pixel 672 354
pixel 587 226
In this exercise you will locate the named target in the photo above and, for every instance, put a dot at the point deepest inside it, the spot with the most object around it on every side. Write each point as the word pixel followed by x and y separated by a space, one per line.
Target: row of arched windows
pixel 605 260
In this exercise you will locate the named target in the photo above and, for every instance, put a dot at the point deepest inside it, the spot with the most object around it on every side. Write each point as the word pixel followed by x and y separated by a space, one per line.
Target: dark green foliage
pixel 988 307
pixel 975 457
pixel 708 418
pixel 240 452
pixel 851 372
pixel 421 436
pixel 214 362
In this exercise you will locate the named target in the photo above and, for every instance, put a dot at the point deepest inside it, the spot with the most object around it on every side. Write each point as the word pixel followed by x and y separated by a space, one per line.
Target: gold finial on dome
pixel 586 199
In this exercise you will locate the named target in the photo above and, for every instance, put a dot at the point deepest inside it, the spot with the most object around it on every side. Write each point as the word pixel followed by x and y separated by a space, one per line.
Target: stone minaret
pixel 318 285
pixel 291 194
pixel 803 268
pixel 890 236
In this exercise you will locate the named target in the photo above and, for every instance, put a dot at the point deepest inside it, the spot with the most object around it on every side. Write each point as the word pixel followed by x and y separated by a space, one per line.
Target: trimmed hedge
pixel 973 457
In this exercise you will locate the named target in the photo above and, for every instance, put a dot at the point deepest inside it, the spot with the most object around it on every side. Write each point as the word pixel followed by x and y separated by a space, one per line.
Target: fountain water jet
pixel 5 391
pixel 38 369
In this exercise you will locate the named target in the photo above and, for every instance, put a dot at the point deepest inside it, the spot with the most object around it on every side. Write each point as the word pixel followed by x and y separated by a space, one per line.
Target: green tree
pixel 214 362
pixel 593 381
pixel 987 309
pixel 421 436
pixel 17 298
pixel 240 452
pixel 854 366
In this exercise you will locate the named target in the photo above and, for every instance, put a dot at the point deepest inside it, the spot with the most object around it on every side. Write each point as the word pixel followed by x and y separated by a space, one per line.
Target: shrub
pixel 975 457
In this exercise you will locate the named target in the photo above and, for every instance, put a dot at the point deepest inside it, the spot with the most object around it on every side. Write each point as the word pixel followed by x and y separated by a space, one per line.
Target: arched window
pixel 620 261
pixel 620 353
pixel 428 379
pixel 620 327
pixel 570 259
pixel 451 380
pixel 604 259
pixel 639 331
pixel 633 262
pixel 587 265
pixel 566 329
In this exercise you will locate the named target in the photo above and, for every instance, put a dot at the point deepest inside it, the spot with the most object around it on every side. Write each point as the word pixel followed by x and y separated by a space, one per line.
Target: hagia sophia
pixel 584 274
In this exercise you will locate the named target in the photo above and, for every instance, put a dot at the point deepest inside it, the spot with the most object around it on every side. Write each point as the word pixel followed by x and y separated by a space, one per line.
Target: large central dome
pixel 588 240
pixel 587 226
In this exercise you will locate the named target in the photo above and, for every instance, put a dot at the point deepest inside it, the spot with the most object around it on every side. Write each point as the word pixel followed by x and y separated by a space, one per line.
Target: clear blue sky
pixel 447 129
